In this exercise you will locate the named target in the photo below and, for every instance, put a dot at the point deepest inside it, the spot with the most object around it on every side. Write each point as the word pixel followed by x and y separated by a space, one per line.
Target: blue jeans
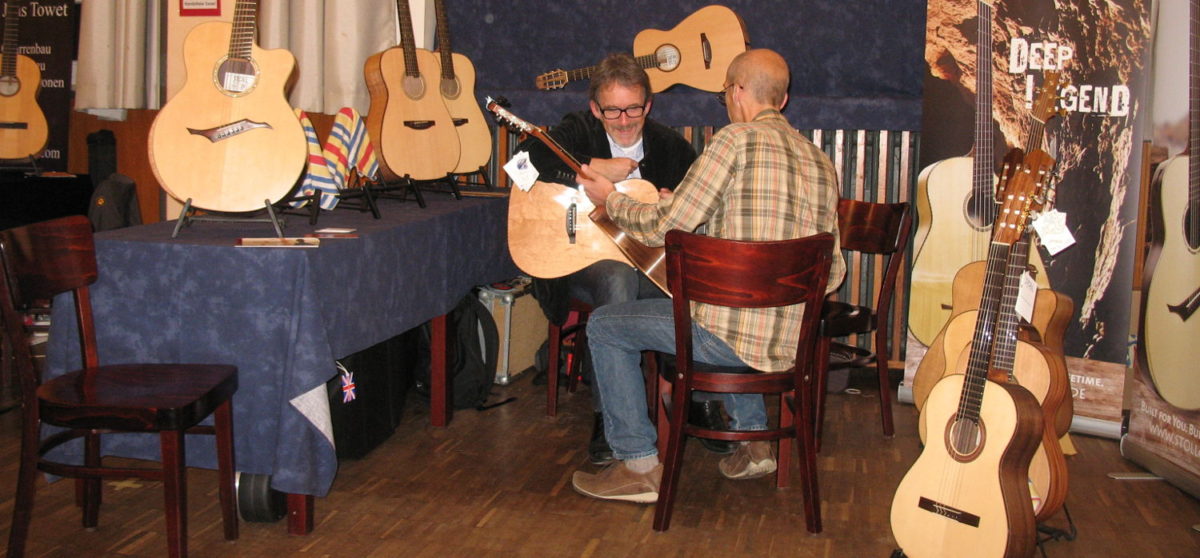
pixel 617 334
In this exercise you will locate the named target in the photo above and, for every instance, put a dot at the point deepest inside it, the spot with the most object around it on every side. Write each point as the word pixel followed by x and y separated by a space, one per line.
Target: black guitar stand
pixel 1047 533
pixel 27 166
pixel 361 192
pixel 474 183
pixel 311 206
pixel 188 215
pixel 405 184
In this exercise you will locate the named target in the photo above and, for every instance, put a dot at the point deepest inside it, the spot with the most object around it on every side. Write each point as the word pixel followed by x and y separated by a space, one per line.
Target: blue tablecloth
pixel 282 315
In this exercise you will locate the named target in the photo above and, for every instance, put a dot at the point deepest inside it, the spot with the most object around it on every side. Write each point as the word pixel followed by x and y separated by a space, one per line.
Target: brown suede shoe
pixel 750 460
pixel 617 482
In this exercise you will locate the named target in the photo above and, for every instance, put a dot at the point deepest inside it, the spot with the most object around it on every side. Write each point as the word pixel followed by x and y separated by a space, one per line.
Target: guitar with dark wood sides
pixel 696 52
pixel 229 140
pixel 458 92
pixel 23 129
pixel 1170 327
pixel 956 207
pixel 968 492
pixel 546 237
pixel 409 124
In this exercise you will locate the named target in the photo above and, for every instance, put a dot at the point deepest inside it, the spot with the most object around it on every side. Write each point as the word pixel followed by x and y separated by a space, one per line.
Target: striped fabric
pixel 348 147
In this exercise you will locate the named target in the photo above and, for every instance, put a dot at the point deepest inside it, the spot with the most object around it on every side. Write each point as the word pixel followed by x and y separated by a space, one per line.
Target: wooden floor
pixel 497 483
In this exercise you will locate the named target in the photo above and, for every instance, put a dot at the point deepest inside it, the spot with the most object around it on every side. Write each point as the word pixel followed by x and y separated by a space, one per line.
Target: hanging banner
pixel 1164 410
pixel 47 31
pixel 1100 53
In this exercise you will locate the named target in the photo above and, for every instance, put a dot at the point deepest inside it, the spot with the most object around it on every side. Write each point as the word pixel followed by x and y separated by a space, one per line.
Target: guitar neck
pixel 1004 345
pixel 245 28
pixel 8 60
pixel 443 40
pixel 1193 223
pixel 983 175
pixel 979 358
pixel 407 40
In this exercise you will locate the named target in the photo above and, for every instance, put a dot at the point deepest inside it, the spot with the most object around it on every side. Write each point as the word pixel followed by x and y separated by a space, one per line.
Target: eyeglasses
pixel 614 113
pixel 721 94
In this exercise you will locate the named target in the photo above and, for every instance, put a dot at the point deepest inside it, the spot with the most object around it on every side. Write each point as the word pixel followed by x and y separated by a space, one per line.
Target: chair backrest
pixel 745 274
pixel 877 228
pixel 40 261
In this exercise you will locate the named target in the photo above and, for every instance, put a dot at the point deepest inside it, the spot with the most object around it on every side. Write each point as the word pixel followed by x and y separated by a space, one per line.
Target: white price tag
pixel 1026 296
pixel 521 170
pixel 1051 227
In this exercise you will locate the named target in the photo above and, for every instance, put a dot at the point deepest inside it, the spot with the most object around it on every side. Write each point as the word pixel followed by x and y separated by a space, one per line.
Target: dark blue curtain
pixel 856 64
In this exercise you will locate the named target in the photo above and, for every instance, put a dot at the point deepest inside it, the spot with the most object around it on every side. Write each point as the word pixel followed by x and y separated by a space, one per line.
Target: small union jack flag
pixel 349 388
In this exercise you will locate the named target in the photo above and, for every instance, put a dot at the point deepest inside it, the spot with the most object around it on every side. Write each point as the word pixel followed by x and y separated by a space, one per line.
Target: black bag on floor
pixel 474 345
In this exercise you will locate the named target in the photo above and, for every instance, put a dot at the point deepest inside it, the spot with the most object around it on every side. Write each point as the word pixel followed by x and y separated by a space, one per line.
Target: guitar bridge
pixel 460 121
pixel 1188 307
pixel 14 125
pixel 228 130
pixel 572 215
pixel 419 124
pixel 706 48
pixel 948 512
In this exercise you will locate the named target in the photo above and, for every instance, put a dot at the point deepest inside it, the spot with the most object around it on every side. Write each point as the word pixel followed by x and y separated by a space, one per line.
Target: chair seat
pixel 147 397
pixel 839 319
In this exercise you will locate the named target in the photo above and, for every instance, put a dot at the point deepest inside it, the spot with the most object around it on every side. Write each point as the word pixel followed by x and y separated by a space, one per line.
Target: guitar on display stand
pixel 956 207
pixel 547 238
pixel 1033 357
pixel 968 492
pixel 410 126
pixel 696 52
pixel 23 128
pixel 228 141
pixel 457 87
pixel 1171 296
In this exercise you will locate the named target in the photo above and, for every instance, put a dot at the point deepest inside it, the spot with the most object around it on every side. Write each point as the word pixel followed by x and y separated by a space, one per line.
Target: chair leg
pixel 787 417
pixel 554 345
pixel 26 487
pixel 174 491
pixel 223 425
pixel 90 487
pixel 575 369
pixel 673 462
pixel 808 459
pixel 885 384
pixel 821 381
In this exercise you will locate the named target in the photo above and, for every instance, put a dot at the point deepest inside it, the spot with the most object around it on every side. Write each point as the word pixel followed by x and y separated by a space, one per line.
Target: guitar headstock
pixel 554 79
pixel 1046 106
pixel 1026 190
pixel 507 118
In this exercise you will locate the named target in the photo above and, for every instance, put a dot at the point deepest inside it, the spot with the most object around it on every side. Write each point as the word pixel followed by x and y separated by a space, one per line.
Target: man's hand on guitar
pixel 615 170
pixel 596 185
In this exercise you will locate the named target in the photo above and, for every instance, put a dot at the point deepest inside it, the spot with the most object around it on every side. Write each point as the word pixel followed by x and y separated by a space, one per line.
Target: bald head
pixel 764 74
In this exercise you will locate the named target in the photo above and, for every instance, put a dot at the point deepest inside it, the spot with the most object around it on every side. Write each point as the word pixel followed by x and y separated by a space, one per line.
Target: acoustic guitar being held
pixel 229 140
pixel 968 492
pixel 1170 326
pixel 23 130
pixel 546 236
pixel 696 52
pixel 409 124
pixel 457 87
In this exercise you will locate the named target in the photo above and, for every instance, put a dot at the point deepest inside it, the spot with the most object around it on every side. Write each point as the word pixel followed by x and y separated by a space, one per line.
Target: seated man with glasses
pixel 617 139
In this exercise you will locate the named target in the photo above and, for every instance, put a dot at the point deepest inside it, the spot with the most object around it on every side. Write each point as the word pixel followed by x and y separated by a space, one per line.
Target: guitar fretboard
pixel 245 28
pixel 983 206
pixel 407 40
pixel 1192 227
pixel 8 60
pixel 443 41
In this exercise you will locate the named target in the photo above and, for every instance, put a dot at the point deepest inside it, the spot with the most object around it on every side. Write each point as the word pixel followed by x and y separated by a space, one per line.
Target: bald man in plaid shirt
pixel 759 179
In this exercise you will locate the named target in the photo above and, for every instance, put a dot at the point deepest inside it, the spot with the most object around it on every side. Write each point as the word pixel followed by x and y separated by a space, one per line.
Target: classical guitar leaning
pixel 229 140
pixel 23 129
pixel 547 238
pixel 457 87
pixel 696 52
pixel 409 124
pixel 968 492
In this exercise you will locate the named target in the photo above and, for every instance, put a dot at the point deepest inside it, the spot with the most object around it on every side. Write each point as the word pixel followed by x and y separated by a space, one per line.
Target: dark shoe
pixel 707 414
pixel 598 451
pixel 617 482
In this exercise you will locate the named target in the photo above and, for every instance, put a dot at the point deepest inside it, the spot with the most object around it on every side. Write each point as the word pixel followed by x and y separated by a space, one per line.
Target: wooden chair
pixel 557 335
pixel 876 229
pixel 38 262
pixel 744 275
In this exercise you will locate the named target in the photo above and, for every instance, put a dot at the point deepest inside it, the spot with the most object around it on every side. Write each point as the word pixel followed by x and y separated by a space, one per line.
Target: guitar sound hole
pixel 668 57
pixel 414 86
pixel 236 76
pixel 9 86
pixel 979 212
pixel 451 89
pixel 964 439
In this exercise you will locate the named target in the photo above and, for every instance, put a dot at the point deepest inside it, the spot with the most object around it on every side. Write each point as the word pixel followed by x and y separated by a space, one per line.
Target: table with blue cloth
pixel 282 316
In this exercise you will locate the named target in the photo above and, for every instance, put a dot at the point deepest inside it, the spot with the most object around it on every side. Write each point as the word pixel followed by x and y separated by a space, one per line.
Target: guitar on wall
pixel 696 52
pixel 1035 363
pixel 229 140
pixel 23 129
pixel 968 492
pixel 956 208
pixel 546 236
pixel 1171 296
pixel 458 92
pixel 408 121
